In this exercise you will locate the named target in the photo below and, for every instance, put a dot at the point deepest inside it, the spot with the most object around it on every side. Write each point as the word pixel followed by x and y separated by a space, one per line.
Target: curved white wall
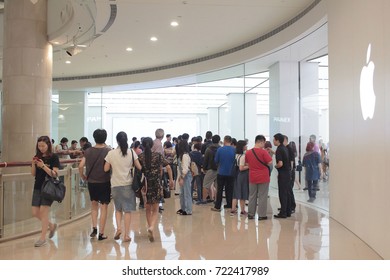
pixel 360 151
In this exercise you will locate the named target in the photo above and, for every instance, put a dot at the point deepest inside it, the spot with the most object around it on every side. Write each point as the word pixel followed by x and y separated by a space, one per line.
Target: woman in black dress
pixel 44 163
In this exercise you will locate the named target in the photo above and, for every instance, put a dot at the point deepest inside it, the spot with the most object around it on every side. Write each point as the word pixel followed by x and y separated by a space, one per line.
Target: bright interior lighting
pixel 154 39
pixel 129 49
pixel 68 62
pixel 174 23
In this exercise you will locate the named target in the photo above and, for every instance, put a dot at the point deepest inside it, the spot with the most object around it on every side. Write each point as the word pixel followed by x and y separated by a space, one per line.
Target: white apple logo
pixel 367 94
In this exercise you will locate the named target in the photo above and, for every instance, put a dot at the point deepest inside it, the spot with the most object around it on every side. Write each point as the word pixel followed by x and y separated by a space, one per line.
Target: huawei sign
pixel 367 94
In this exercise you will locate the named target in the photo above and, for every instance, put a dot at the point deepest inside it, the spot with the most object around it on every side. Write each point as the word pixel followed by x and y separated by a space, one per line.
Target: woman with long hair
pixel 121 161
pixel 184 178
pixel 241 180
pixel 152 164
pixel 44 163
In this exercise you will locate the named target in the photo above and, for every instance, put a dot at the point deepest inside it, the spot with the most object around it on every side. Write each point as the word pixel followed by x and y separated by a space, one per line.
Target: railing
pixel 16 195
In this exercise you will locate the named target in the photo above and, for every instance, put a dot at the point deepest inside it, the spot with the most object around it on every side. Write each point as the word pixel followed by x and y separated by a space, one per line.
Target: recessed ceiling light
pixel 68 62
pixel 129 49
pixel 174 23
pixel 154 39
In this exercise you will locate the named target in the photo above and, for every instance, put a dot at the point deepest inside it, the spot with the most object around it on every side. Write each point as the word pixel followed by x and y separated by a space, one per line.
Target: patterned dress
pixel 153 175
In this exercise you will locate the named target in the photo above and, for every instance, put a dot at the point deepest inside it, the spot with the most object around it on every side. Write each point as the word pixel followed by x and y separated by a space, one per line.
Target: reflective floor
pixel 308 234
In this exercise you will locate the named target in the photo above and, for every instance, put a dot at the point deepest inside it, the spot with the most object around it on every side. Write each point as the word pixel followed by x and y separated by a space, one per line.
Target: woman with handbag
pixel 152 164
pixel 99 186
pixel 44 163
pixel 121 161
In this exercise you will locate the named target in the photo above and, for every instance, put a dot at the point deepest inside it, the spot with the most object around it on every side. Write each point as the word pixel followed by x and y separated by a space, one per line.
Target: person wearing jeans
pixel 224 158
pixel 184 179
pixel 312 162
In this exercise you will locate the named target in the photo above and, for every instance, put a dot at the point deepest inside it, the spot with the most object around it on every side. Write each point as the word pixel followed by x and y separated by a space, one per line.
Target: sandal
pixel 117 234
pixel 102 237
pixel 150 235
pixel 126 239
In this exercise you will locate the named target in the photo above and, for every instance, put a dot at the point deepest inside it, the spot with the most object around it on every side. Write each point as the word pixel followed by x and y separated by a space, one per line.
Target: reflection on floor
pixel 308 234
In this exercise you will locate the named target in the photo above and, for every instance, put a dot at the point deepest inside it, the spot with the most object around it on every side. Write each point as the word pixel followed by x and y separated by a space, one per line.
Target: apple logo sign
pixel 367 94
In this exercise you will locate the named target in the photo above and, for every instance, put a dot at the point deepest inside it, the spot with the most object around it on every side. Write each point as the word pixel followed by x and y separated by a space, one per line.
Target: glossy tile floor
pixel 308 234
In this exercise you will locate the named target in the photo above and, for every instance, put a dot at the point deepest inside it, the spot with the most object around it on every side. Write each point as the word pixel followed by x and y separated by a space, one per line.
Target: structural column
pixel 27 78
pixel 284 99
pixel 71 118
pixel 242 115
pixel 213 119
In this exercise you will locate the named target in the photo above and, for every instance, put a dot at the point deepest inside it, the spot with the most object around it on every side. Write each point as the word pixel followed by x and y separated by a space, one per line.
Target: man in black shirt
pixel 283 165
pixel 291 156
pixel 207 142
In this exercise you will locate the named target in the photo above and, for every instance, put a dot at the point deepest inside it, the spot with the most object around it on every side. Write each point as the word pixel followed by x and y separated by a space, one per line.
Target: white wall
pixel 360 151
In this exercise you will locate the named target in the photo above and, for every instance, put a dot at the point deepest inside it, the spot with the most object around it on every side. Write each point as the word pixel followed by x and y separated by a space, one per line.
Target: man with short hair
pixel 207 142
pixel 169 139
pixel 225 158
pixel 157 143
pixel 210 169
pixel 259 162
pixel 284 172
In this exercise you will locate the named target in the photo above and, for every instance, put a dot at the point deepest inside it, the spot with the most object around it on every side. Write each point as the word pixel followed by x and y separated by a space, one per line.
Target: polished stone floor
pixel 308 234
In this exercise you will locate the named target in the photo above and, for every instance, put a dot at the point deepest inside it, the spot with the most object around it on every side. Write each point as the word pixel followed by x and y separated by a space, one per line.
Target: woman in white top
pixel 184 178
pixel 121 160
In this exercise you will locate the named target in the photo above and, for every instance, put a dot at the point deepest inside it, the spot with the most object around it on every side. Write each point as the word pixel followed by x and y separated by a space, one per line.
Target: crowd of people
pixel 202 172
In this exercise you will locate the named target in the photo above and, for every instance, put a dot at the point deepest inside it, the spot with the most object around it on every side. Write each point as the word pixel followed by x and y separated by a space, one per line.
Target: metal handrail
pixel 28 163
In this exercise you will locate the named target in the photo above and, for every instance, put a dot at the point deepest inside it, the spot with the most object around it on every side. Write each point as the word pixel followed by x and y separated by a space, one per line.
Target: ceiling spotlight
pixel 68 62
pixel 174 23
pixel 129 49
pixel 154 39
pixel 71 51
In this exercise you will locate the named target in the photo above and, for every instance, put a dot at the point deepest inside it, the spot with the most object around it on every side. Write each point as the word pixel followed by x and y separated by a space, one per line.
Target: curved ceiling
pixel 205 27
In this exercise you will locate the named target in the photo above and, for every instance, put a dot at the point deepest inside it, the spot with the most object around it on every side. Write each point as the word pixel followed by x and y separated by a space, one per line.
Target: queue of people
pixel 203 172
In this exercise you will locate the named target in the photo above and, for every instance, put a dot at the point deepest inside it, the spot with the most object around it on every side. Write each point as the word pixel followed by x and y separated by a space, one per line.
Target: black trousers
pixel 224 182
pixel 284 186
pixel 292 198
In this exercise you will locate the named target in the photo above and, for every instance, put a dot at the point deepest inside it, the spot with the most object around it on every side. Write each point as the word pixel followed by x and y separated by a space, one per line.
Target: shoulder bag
pixel 53 189
pixel 269 169
pixel 138 178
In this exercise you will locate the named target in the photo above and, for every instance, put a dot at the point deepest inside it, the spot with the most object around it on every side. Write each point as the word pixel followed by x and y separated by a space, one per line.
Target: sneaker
pixel 262 218
pixel 53 231
pixel 215 209
pixel 94 232
pixel 40 243
pixel 201 202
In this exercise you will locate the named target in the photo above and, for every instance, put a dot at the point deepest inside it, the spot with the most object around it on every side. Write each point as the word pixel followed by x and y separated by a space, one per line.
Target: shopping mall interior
pixel 239 68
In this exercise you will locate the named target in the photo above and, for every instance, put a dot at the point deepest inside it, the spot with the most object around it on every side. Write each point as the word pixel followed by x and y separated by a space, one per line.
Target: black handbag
pixel 299 166
pixel 53 189
pixel 137 183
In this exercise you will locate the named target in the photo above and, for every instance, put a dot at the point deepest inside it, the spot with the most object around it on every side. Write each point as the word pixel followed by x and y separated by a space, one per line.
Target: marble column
pixel 27 78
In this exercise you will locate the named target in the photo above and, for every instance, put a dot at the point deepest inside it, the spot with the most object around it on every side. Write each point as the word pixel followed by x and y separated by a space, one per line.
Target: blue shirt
pixel 311 161
pixel 225 158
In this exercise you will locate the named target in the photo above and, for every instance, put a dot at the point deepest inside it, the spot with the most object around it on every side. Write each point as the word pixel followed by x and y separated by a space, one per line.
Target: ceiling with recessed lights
pixel 153 33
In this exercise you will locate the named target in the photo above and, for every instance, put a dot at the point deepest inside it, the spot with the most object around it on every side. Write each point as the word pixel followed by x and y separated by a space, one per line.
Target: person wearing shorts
pixel 99 186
